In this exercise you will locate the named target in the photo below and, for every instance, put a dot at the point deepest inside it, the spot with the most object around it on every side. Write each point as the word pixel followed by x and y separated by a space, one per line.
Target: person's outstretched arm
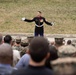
pixel 27 20
pixel 48 23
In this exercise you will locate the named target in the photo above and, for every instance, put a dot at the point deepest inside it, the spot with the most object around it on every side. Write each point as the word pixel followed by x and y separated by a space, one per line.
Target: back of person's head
pixel 6 54
pixel 53 53
pixel 7 39
pixel 39 48
pixel 68 42
pixel 53 56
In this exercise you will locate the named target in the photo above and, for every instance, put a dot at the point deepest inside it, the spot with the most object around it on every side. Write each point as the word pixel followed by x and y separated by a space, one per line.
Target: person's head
pixel 18 40
pixel 30 39
pixel 8 39
pixel 59 41
pixel 67 51
pixel 1 38
pixel 39 49
pixel 74 43
pixel 68 42
pixel 6 54
pixel 52 43
pixel 53 53
pixel 39 13
pixel 13 42
pixel 53 56
pixel 24 43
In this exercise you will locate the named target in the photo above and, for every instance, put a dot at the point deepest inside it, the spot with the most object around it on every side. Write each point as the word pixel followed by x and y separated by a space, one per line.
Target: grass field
pixel 61 12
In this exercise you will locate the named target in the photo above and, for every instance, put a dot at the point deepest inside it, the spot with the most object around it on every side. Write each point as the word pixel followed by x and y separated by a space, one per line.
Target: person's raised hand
pixel 52 23
pixel 23 19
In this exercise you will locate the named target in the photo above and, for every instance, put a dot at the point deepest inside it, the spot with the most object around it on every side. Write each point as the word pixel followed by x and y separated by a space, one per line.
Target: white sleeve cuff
pixel 52 23
pixel 23 18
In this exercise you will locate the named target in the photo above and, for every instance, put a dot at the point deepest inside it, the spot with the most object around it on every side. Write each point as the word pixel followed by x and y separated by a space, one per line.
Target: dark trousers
pixel 39 31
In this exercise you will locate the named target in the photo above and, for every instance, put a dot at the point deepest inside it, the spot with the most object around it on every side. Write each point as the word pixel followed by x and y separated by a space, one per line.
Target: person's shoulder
pixel 48 71
pixel 25 55
pixel 42 17
pixel 25 71
pixel 12 71
pixel 21 71
pixel 35 17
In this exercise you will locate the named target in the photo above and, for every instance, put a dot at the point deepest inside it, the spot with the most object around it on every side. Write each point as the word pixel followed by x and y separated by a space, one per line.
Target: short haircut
pixel 69 42
pixel 53 56
pixel 7 39
pixel 38 48
pixel 53 53
pixel 40 12
pixel 6 54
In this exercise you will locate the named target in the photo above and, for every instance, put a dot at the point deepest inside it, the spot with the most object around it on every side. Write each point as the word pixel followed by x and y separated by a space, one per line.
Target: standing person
pixel 39 20
pixel 39 53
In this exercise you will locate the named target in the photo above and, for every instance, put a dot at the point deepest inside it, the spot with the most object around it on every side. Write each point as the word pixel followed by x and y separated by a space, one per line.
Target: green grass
pixel 61 12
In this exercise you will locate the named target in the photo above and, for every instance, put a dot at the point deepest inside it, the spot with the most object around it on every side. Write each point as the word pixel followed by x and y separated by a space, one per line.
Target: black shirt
pixel 31 70
pixel 39 21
